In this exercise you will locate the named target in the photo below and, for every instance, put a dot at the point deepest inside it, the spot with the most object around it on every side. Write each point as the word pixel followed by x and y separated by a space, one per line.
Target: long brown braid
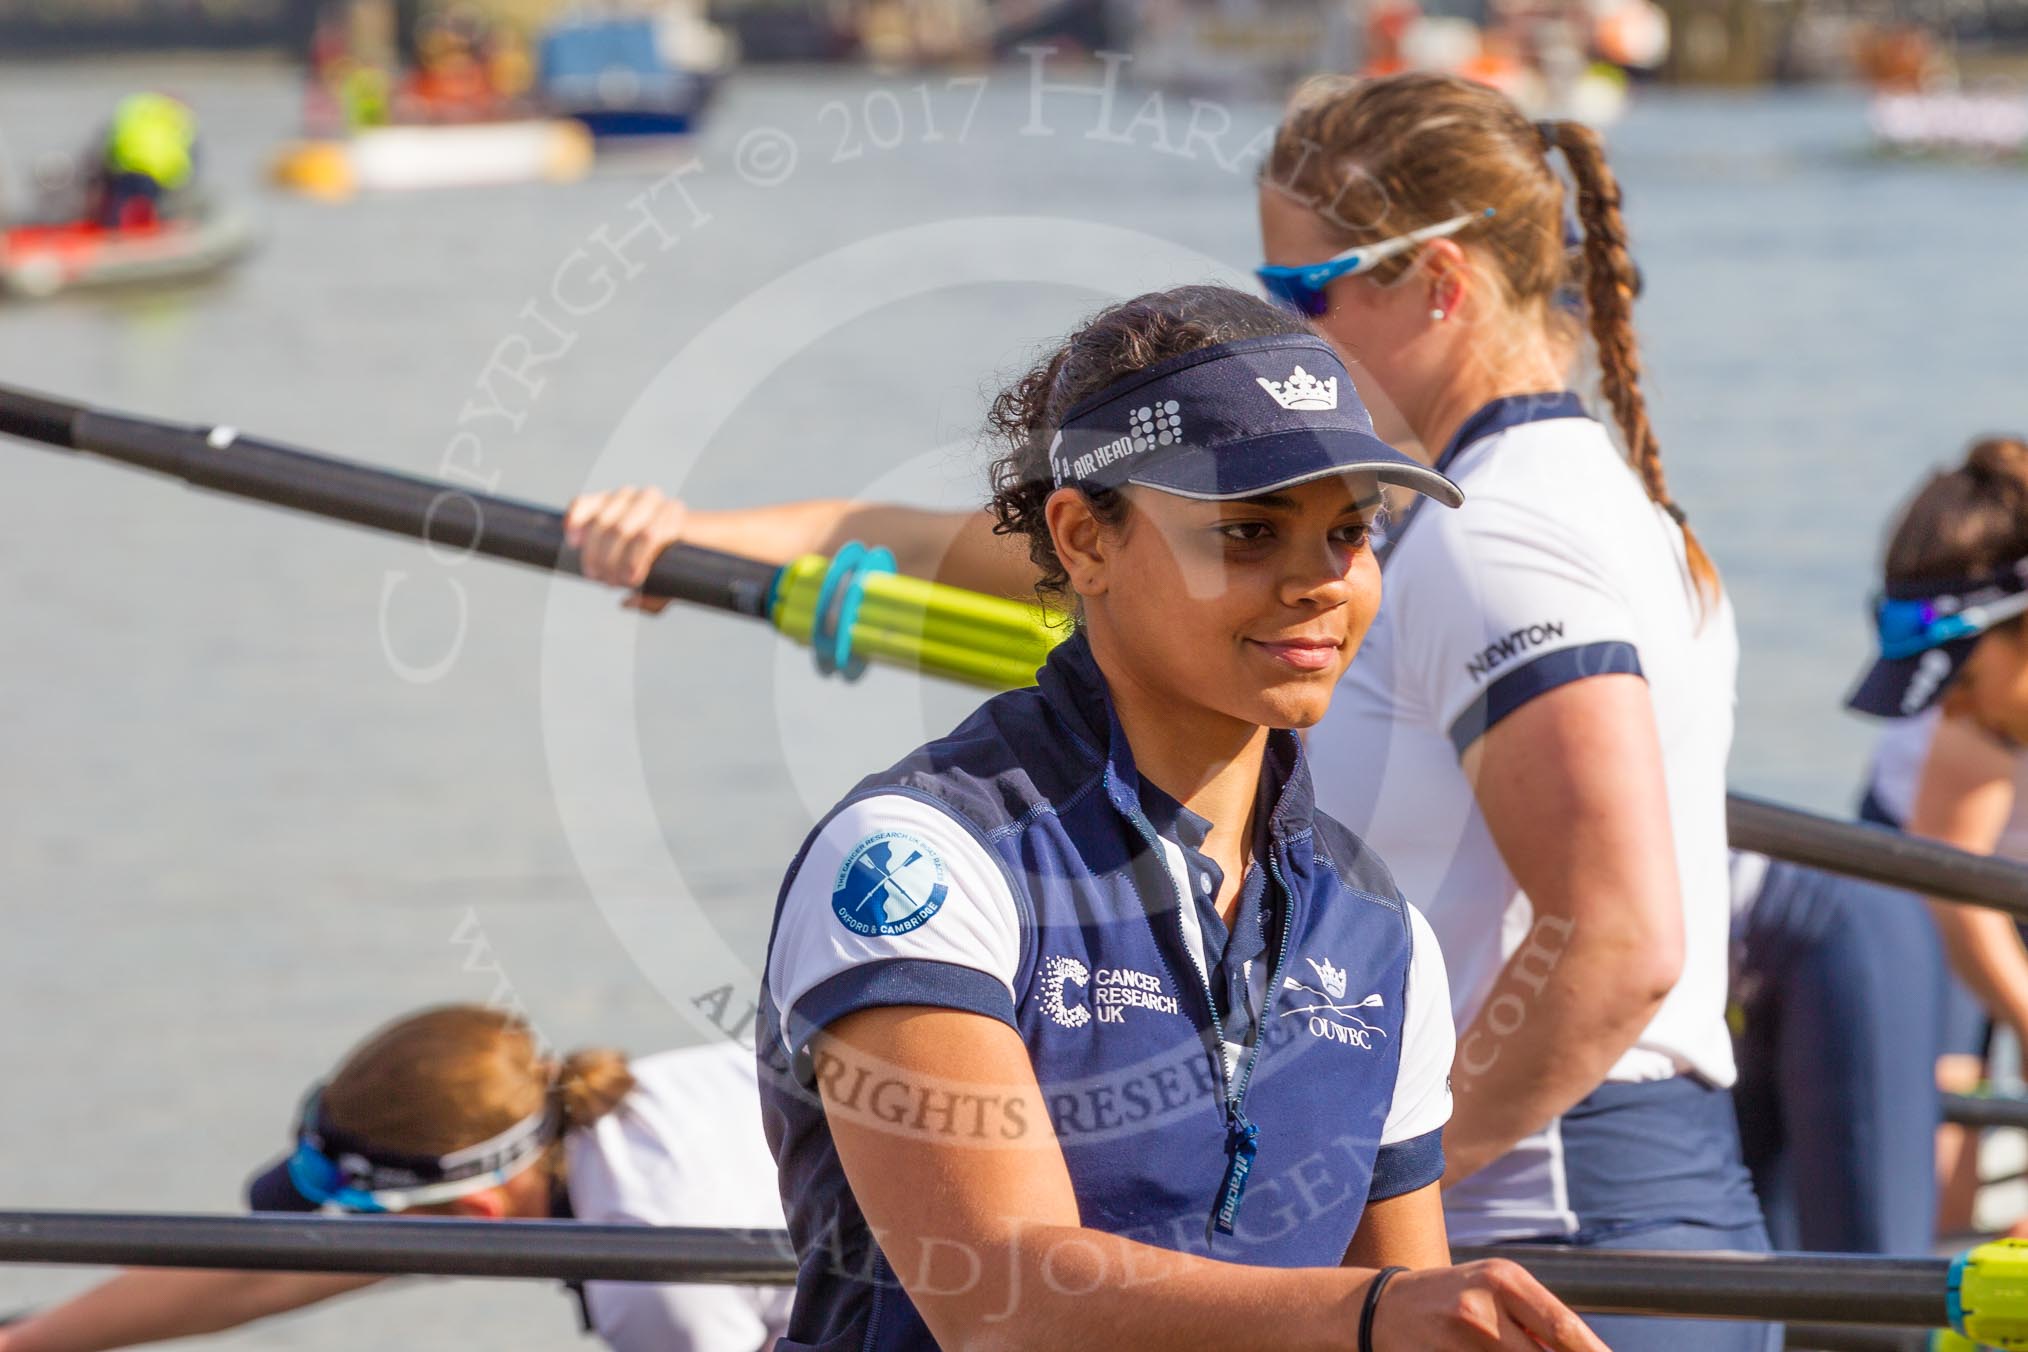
pixel 1380 157
pixel 1609 286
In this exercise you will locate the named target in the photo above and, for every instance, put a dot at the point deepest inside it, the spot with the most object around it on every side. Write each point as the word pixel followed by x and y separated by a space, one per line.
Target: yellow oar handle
pixel 861 613
pixel 1987 1294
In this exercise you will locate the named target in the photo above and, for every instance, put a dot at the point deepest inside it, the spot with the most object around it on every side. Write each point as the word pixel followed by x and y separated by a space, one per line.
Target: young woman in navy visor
pixel 1081 1026
pixel 1535 734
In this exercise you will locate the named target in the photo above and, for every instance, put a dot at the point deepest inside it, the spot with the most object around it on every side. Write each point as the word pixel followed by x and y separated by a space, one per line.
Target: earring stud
pixel 1436 314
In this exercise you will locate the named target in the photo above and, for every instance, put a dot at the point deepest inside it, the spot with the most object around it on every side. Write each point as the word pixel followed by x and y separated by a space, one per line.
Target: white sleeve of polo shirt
pixel 1411 1154
pixel 895 902
pixel 1429 1042
pixel 1509 604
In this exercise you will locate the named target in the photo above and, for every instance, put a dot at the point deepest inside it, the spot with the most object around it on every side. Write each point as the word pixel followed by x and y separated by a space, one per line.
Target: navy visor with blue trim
pixel 332 1167
pixel 1235 420
pixel 1926 631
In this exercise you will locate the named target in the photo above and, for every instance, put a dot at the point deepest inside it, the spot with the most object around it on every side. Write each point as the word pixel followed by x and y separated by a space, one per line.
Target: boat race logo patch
pixel 890 883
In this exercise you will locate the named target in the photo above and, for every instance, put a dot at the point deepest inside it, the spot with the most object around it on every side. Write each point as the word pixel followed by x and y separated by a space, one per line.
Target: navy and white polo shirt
pixel 1020 870
pixel 1557 567
pixel 1899 756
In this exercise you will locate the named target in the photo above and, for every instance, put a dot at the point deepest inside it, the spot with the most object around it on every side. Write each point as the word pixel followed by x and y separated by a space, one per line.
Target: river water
pixel 267 781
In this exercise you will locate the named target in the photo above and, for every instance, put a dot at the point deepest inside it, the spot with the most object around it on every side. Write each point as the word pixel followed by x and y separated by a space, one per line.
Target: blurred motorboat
pixel 459 110
pixel 1225 47
pixel 41 258
pixel 1988 124
pixel 798 31
pixel 436 155
pixel 1555 58
pixel 1923 105
pixel 628 73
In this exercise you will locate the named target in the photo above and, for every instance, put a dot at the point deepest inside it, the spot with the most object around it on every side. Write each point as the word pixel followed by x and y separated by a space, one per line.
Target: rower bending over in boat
pixel 149 155
pixel 1082 1023
pixel 1536 739
pixel 460 1105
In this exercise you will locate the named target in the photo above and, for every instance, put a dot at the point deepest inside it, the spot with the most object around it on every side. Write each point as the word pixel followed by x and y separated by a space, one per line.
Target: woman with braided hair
pixel 1535 734
pixel 1550 758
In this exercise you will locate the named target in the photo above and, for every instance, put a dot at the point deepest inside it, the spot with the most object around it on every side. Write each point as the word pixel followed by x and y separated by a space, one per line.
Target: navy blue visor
pixel 1233 421
pixel 1926 631
pixel 330 1167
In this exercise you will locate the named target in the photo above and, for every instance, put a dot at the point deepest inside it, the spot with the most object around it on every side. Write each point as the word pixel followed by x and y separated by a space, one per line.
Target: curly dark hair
pixel 1116 342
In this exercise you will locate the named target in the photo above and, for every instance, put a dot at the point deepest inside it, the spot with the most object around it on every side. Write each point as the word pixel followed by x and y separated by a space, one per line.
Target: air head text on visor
pixel 333 1168
pixel 1927 630
pixel 1233 421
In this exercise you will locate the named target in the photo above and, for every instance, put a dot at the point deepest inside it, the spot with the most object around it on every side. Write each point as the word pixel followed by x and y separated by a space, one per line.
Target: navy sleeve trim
pixel 1407 1165
pixel 893 981
pixel 1871 809
pixel 1544 674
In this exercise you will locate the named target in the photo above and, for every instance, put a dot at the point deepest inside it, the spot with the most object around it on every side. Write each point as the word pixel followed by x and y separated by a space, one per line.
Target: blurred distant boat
pixel 1986 124
pixel 41 259
pixel 1923 103
pixel 1554 59
pixel 627 74
pixel 788 30
pixel 1233 47
pixel 447 155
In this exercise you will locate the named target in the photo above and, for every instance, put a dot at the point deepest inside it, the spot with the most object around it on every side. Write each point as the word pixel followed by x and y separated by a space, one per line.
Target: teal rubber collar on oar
pixel 838 603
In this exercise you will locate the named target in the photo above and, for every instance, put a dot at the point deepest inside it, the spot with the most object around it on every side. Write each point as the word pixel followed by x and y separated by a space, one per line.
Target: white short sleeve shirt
pixel 684 1148
pixel 1557 567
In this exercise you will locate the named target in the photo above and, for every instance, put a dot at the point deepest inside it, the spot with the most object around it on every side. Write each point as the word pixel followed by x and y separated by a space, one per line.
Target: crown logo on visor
pixel 1302 390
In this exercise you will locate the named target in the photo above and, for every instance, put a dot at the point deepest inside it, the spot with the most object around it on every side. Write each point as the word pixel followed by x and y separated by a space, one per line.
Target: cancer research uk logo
pixel 1113 990
pixel 890 883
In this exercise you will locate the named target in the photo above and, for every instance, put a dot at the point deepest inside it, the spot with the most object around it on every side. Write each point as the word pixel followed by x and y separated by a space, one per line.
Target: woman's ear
pixel 1079 537
pixel 1446 275
pixel 489 1205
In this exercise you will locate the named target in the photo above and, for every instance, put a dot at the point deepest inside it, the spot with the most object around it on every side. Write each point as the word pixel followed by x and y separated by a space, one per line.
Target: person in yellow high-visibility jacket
pixel 150 153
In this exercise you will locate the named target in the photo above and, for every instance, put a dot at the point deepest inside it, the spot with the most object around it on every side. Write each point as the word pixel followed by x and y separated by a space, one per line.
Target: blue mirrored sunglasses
pixel 1302 289
pixel 1915 625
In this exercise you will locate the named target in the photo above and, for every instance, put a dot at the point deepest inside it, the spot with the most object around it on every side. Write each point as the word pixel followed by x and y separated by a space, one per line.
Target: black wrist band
pixel 1373 1290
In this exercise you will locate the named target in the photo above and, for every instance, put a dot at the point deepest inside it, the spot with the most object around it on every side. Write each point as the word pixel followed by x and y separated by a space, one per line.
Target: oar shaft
pixel 1825 1288
pixel 1781 1288
pixel 1877 854
pixel 426 1246
pixel 984 640
pixel 445 515
pixel 1973 1110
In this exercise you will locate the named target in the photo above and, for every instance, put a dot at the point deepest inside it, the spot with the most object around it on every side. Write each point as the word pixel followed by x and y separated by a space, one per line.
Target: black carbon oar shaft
pixel 445 515
pixel 451 517
pixel 421 1245
pixel 1817 1288
pixel 1877 854
pixel 1977 1110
